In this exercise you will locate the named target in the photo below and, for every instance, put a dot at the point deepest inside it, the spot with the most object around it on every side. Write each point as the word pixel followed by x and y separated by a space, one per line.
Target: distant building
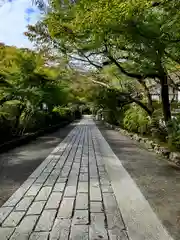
pixel 174 94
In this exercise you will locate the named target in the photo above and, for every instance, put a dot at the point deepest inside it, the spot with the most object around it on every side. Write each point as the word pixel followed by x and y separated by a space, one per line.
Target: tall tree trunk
pixel 174 98
pixel 163 77
pixel 165 97
pixel 150 102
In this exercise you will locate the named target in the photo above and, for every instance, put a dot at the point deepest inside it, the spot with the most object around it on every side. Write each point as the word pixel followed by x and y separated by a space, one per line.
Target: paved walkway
pixel 69 196
pixel 159 183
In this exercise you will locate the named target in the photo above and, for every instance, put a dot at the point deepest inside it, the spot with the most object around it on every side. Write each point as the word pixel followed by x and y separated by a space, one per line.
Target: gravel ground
pixel 16 165
pixel 159 183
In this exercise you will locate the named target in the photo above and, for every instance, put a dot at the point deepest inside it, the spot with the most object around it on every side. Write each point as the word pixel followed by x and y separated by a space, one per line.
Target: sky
pixel 15 15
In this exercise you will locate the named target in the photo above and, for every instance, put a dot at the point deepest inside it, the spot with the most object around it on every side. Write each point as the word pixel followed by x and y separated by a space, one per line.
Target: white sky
pixel 15 15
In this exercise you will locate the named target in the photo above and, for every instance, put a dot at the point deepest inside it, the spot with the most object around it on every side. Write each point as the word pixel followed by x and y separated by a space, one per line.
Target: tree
pixel 30 88
pixel 140 38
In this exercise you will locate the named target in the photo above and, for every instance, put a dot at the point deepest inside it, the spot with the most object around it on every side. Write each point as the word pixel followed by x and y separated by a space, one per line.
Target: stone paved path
pixel 69 196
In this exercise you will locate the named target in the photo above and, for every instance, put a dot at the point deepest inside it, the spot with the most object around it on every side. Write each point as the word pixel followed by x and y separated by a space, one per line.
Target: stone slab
pixel 13 219
pixel 83 187
pixel 79 232
pixel 4 212
pixel 5 233
pixel 39 236
pixel 82 201
pixel 54 200
pixel 43 194
pixel 36 208
pixel 97 229
pixel 45 222
pixel 59 187
pixel 96 207
pixel 25 228
pixel 81 217
pixel 24 204
pixel 66 208
pixel 61 229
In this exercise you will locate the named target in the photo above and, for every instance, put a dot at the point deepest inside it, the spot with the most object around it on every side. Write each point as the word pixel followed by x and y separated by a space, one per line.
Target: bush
pixel 63 112
pixel 68 113
pixel 114 117
pixel 136 120
pixel 110 116
pixel 6 129
pixel 34 122
pixel 12 126
pixel 174 134
pixel 158 126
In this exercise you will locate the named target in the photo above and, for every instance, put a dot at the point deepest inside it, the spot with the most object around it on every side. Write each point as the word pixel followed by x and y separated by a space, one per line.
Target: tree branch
pixel 96 53
pixel 142 105
pixel 132 75
pixel 101 83
pixel 175 41
pixel 78 59
pixel 92 63
pixel 147 92
pixel 130 98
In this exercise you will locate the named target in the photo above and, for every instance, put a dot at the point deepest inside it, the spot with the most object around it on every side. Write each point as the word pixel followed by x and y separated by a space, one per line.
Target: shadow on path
pixel 159 183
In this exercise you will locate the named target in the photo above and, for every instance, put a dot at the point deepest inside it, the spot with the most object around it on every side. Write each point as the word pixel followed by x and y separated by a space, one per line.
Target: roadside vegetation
pixel 118 58
pixel 34 94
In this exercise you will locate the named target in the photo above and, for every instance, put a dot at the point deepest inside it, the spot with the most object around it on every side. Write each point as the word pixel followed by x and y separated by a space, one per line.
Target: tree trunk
pixel 150 102
pixel 149 98
pixel 163 77
pixel 174 98
pixel 148 95
pixel 165 98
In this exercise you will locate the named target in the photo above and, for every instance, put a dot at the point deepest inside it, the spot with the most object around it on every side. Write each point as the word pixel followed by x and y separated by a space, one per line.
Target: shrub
pixel 110 116
pixel 174 133
pixel 6 129
pixel 158 126
pixel 136 120
pixel 68 113
pixel 63 112
pixel 116 116
pixel 33 121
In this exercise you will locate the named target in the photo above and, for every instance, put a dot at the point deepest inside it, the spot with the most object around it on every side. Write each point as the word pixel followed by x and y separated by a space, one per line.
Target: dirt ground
pixel 159 183
pixel 16 165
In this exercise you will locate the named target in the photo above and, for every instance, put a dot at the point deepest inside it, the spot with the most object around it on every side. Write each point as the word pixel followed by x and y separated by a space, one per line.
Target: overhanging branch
pixel 132 75
pixel 128 96
pixel 89 61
